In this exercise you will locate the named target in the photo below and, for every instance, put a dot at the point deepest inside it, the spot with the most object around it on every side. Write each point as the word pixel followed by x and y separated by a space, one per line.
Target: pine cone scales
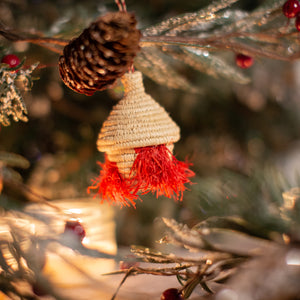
pixel 101 54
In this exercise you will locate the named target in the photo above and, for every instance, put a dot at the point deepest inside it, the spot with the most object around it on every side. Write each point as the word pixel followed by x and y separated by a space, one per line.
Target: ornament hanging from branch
pixel 138 136
pixel 138 139
pixel 102 53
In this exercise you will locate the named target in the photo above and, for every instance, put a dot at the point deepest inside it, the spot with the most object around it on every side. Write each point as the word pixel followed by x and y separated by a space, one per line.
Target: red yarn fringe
pixel 112 187
pixel 156 170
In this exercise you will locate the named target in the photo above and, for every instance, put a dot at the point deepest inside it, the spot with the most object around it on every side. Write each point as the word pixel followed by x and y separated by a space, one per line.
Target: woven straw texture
pixel 124 160
pixel 136 121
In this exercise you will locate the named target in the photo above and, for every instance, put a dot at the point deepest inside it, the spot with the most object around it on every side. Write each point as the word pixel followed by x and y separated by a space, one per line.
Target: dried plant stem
pixel 149 256
pixel 39 41
pixel 151 271
pixel 45 42
pixel 19 37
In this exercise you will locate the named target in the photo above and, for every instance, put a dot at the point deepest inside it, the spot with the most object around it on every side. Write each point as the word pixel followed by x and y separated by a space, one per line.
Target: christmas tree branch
pixel 45 42
pixel 9 35
pixel 186 274
pixel 157 257
pixel 219 43
pixel 211 43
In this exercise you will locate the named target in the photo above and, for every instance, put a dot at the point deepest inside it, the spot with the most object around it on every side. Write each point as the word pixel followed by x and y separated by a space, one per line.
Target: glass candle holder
pixel 67 267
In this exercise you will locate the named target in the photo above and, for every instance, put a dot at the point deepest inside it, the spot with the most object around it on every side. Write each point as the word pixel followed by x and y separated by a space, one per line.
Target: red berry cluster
pixel 291 9
pixel 244 61
pixel 171 294
pixel 11 59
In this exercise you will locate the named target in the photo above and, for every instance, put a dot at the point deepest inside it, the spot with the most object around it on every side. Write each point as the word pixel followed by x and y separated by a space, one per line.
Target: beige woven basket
pixel 136 121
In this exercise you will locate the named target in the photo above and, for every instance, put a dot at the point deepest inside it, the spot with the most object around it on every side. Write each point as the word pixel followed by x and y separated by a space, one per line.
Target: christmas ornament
pixel 138 139
pixel 101 54
pixel 11 59
pixel 171 294
pixel 75 228
pixel 291 8
pixel 244 61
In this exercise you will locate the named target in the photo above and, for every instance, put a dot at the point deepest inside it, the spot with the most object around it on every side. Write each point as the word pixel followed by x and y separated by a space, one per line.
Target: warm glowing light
pixel 286 238
pixel 293 257
pixel 290 197
pixel 74 211
pixel 227 294
pixel 85 241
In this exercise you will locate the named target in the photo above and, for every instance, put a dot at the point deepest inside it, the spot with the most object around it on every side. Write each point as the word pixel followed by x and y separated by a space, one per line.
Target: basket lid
pixel 137 120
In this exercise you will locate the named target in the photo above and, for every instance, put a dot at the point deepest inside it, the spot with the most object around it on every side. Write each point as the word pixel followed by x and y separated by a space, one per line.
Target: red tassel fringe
pixel 157 170
pixel 154 170
pixel 111 186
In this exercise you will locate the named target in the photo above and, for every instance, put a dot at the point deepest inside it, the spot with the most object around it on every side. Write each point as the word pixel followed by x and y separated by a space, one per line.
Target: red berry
pixel 297 22
pixel 76 228
pixel 11 59
pixel 171 294
pixel 291 8
pixel 244 61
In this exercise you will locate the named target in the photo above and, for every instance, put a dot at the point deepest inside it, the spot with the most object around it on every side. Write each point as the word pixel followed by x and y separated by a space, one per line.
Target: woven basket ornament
pixel 138 139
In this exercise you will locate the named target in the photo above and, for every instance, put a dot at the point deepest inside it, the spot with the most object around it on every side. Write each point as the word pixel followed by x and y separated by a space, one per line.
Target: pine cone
pixel 101 54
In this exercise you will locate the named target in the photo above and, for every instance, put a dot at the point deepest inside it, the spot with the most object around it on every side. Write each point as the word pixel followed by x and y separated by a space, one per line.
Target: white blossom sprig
pixel 12 82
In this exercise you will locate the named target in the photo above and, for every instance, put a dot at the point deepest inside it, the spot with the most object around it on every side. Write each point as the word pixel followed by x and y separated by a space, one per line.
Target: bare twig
pixel 45 42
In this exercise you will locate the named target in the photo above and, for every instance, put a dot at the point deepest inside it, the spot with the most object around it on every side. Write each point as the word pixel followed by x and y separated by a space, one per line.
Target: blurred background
pixel 226 125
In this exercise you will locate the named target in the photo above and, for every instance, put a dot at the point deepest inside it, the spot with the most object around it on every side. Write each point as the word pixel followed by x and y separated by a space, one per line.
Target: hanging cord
pixel 121 5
